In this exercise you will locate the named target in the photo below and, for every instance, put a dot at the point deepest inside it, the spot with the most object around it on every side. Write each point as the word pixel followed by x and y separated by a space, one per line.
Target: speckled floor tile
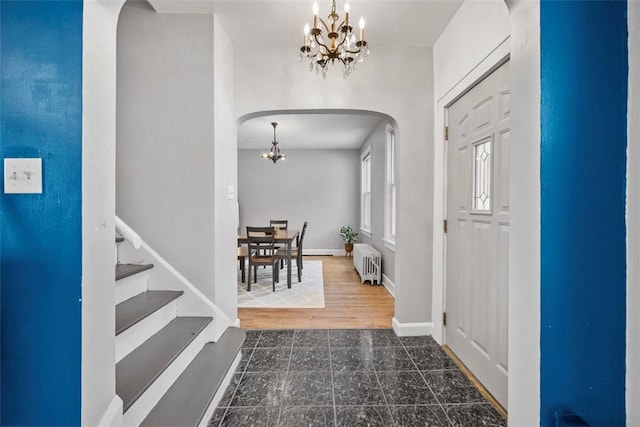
pixel 216 418
pixel 357 388
pixel 351 359
pixel 392 359
pixel 276 338
pixel 231 389
pixel 363 416
pixel 381 337
pixel 298 416
pixel 430 358
pixel 420 415
pixel 311 338
pixel 405 388
pixel 260 389
pixel 481 415
pixel 345 337
pixel 244 359
pixel 251 417
pixel 421 341
pixel 452 387
pixel 308 388
pixel 310 359
pixel 269 359
pixel 349 378
pixel 251 339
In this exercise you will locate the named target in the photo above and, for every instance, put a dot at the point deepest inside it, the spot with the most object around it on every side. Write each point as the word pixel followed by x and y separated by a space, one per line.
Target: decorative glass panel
pixel 482 176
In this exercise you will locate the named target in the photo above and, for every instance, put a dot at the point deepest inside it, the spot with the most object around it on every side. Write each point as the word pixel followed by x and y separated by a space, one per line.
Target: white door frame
pixel 491 62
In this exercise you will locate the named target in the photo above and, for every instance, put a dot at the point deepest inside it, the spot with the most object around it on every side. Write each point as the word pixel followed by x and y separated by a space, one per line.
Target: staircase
pixel 172 365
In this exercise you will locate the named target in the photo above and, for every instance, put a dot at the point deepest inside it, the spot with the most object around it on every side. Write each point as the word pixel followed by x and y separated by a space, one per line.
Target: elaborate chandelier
pixel 337 44
pixel 274 154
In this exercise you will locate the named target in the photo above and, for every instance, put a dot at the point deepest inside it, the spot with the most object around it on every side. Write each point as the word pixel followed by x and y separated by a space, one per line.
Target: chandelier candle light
pixel 340 43
pixel 274 154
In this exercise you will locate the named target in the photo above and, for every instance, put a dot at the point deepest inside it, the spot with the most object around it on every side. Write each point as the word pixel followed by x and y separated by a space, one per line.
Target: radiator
pixel 368 262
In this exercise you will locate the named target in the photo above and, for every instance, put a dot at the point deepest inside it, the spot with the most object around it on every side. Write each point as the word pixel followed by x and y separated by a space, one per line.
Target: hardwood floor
pixel 348 304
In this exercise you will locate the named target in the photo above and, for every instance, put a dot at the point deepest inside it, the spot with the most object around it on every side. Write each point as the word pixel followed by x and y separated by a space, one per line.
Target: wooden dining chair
pixel 262 251
pixel 296 252
pixel 243 253
pixel 282 224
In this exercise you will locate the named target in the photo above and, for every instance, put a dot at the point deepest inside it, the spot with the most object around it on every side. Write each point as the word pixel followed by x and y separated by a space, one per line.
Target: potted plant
pixel 348 236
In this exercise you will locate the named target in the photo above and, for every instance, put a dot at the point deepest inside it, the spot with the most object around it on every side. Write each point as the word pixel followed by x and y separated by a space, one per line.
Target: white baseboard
pixel 412 329
pixel 332 252
pixel 112 417
pixel 391 287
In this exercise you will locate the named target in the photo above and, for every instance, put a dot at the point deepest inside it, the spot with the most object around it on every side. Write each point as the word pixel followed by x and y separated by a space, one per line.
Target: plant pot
pixel 348 248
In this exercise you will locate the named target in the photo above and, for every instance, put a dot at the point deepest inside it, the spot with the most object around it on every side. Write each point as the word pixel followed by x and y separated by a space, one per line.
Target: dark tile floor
pixel 349 377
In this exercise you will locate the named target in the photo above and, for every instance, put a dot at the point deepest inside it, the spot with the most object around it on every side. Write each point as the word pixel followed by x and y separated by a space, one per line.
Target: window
pixel 482 176
pixel 365 201
pixel 390 190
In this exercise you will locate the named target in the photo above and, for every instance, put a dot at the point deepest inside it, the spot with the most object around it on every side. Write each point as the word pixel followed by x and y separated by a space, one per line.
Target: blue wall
pixel 41 239
pixel 583 169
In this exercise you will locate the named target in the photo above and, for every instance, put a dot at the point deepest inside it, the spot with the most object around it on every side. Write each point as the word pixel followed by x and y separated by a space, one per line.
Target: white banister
pixel 132 237
pixel 129 235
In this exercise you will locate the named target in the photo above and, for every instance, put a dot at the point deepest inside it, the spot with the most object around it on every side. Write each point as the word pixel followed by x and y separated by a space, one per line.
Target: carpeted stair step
pixel 126 270
pixel 186 401
pixel 140 368
pixel 135 309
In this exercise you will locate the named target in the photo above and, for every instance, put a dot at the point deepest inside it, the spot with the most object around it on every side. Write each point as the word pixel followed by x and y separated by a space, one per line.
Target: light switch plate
pixel 22 176
pixel 231 192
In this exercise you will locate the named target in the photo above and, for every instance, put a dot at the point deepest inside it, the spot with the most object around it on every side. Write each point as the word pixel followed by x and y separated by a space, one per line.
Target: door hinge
pixel 444 318
pixel 445 226
pixel 446 133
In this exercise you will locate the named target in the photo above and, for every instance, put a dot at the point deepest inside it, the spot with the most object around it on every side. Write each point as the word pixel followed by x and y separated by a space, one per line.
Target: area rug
pixel 306 294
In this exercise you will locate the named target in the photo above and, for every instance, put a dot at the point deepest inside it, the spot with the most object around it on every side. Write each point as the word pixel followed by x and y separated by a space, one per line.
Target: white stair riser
pixel 221 390
pixel 145 403
pixel 130 339
pixel 131 286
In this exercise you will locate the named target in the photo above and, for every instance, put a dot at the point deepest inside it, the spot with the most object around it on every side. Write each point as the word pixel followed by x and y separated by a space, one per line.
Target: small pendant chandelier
pixel 274 154
pixel 340 45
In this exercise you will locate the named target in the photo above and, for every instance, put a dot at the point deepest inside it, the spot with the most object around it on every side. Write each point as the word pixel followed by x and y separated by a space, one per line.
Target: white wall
pixel 396 82
pixel 377 141
pixel 477 28
pixel 633 219
pixel 480 36
pixel 225 178
pixel 318 186
pixel 474 42
pixel 165 134
pixel 99 402
pixel 524 242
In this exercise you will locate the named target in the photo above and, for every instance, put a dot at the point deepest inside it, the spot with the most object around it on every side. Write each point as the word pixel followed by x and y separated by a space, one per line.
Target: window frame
pixel 365 191
pixel 391 191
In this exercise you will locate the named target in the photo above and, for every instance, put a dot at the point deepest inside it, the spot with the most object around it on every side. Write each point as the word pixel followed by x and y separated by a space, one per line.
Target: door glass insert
pixel 482 176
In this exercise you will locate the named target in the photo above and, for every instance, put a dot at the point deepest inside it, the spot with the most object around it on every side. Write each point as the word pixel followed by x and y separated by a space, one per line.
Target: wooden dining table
pixel 281 236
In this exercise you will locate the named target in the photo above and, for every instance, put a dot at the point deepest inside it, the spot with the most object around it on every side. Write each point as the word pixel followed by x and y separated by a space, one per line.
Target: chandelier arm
pixel 344 39
pixel 326 27
pixel 353 51
pixel 319 43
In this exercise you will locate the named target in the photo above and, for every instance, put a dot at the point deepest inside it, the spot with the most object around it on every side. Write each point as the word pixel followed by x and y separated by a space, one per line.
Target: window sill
pixel 389 244
pixel 366 233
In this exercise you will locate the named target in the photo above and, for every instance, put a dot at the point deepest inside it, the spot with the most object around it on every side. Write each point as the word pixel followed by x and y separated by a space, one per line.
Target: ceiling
pixel 389 23
pixel 279 23
pixel 347 130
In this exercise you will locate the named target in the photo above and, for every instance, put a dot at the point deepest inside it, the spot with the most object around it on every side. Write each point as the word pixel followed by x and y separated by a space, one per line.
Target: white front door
pixel 478 230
